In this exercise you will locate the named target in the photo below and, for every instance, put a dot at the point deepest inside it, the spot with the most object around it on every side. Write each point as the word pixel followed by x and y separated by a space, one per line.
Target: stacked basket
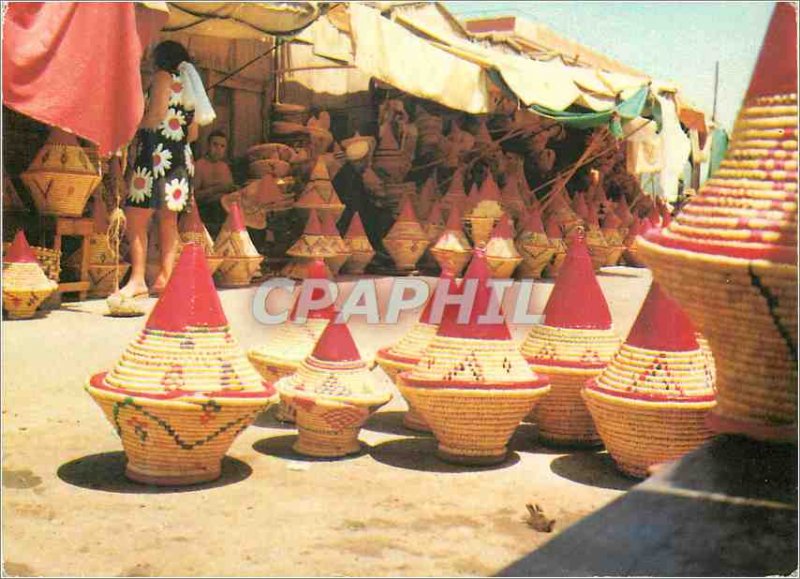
pixel 241 260
pixel 485 214
pixel 182 390
pixel 361 250
pixel 337 244
pixel 575 343
pixel 730 256
pixel 533 245
pixel 452 250
pixel 472 386
pixel 25 286
pixel 319 195
pixel 193 230
pixel 332 394
pixel 501 254
pixel 311 246
pixel 406 241
pixel 651 402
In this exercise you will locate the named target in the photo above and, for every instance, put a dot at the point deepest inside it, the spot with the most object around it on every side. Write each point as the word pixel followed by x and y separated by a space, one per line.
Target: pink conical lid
pixel 99 214
pixel 435 216
pixel 611 221
pixel 454 220
pixel 313 226
pixel 190 299
pixel 356 228
pixel 317 270
pixel 776 68
pixel 478 270
pixel 19 251
pixel 235 222
pixel 591 217
pixel 474 195
pixel 406 210
pixel 329 225
pixel 533 221
pixel 577 300
pixel 489 190
pixel 425 317
pixel 503 228
pixel 553 229
pixel 192 222
pixel 623 211
pixel 336 344
pixel 455 190
pixel 662 325
pixel 580 207
pixel 428 190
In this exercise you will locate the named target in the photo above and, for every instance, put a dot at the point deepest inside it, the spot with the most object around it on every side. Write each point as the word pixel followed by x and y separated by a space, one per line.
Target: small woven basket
pixel 238 271
pixel 25 287
pixel 49 259
pixel 104 279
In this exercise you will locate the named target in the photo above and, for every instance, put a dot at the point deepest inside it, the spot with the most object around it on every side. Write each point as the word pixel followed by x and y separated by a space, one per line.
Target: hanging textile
pixel 75 65
pixel 719 146
pixel 628 109
pixel 675 148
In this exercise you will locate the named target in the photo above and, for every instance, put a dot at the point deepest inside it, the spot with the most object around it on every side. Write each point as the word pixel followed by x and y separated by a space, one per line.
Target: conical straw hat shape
pixel 20 251
pixel 730 255
pixel 662 325
pixel 577 300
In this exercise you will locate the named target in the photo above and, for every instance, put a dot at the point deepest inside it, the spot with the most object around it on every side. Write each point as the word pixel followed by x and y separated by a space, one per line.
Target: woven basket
pixel 102 279
pixel 299 267
pixel 412 419
pixel 559 255
pixel 480 228
pixel 25 287
pixel 503 267
pixel 472 426
pixel 639 434
pixel 61 179
pixel 598 247
pixel 361 253
pixel 725 298
pixel 238 271
pixel 49 259
pixel 22 304
pixel 175 442
pixel 616 246
pixel 536 253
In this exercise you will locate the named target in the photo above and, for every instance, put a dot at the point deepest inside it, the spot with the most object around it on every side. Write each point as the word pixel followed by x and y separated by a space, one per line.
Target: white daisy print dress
pixel 162 170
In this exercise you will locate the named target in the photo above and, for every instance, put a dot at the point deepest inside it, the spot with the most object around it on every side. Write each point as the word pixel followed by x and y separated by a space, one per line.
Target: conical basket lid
pixel 489 191
pixel 748 209
pixel 186 347
pixel 235 221
pixel 662 325
pixel 577 300
pixel 435 216
pixel 533 221
pixel 554 229
pixel 20 251
pixel 356 228
pixel 320 171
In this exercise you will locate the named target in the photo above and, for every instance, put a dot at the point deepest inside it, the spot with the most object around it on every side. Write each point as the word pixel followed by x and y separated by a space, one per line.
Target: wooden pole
pixel 716 87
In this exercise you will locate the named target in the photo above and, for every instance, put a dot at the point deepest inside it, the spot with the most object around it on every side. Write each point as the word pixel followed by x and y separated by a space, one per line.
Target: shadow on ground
pixel 281 447
pixel 106 472
pixel 420 454
pixel 391 423
pixel 595 469
pixel 267 420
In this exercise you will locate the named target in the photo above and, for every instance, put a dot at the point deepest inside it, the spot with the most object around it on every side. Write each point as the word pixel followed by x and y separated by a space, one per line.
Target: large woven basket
pixel 103 281
pixel 21 304
pixel 49 259
pixel 174 442
pixel 412 419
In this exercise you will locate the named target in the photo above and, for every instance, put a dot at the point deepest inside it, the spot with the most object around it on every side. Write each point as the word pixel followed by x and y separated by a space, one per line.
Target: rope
pixel 116 221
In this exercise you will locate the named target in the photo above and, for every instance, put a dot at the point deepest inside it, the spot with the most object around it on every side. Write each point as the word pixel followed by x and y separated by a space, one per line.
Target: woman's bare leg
pixel 168 242
pixel 138 219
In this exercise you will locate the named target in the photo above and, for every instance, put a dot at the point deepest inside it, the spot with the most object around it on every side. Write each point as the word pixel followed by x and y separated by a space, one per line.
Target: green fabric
pixel 628 109
pixel 719 146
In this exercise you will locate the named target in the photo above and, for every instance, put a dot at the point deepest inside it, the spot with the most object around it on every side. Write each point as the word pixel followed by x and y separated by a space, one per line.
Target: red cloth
pixel 75 65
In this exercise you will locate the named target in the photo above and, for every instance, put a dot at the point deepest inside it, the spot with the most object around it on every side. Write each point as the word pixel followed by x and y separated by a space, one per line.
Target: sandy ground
pixel 393 510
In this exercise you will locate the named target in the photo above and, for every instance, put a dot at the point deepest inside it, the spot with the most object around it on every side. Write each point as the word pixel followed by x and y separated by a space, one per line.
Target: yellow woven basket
pixel 176 442
pixel 102 278
pixel 237 271
pixel 411 419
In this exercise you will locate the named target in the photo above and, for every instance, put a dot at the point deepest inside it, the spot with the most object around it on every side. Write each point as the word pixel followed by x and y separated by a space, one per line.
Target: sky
pixel 669 41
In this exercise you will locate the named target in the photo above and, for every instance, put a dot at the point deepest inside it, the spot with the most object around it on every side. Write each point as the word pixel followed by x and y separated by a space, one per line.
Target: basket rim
pixel 728 254
pixel 593 386
pixel 540 383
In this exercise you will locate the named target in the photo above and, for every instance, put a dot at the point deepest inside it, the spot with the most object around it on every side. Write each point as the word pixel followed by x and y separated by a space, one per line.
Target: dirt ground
pixel 393 510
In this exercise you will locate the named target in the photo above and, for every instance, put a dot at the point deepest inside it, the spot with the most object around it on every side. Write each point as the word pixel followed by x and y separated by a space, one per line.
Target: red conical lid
pixel 662 325
pixel 356 228
pixel 478 270
pixel 192 222
pixel 329 225
pixel 654 217
pixel 533 221
pixel 474 195
pixel 435 216
pixel 634 230
pixel 623 211
pixel 456 188
pixel 483 135
pixel 336 344
pixel 776 68
pixel 313 226
pixel 190 299
pixel 235 222
pixel 580 207
pixel 489 190
pixel 428 188
pixel 99 214
pixel 454 220
pixel 425 317
pixel 553 229
pixel 591 217
pixel 406 210
pixel 577 300
pixel 503 229
pixel 20 251
pixel 317 270
pixel 611 221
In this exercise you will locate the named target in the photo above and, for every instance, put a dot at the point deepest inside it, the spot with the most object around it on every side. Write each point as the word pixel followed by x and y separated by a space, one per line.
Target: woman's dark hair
pixel 169 54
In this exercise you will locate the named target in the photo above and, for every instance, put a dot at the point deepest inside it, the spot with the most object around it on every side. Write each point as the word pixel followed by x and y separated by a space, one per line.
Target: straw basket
pixel 174 442
pixel 49 260
pixel 450 260
pixel 503 267
pixel 559 255
pixel 61 179
pixel 275 167
pixel 536 253
pixel 21 304
pixel 238 271
pixel 361 253
pixel 616 247
pixel 412 419
pixel 598 247
pixel 299 267
pixel 102 278
pixel 631 255
pixel 747 310
pixel 472 425
pixel 640 433
pixel 480 228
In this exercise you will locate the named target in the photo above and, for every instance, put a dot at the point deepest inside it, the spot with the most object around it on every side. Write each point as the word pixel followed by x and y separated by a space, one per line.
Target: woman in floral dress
pixel 160 179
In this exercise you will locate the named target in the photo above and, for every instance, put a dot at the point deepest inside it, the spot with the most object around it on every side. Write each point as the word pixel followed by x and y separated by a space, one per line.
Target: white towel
pixel 194 94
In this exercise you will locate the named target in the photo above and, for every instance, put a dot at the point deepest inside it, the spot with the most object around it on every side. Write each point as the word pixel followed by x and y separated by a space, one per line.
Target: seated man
pixel 212 180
